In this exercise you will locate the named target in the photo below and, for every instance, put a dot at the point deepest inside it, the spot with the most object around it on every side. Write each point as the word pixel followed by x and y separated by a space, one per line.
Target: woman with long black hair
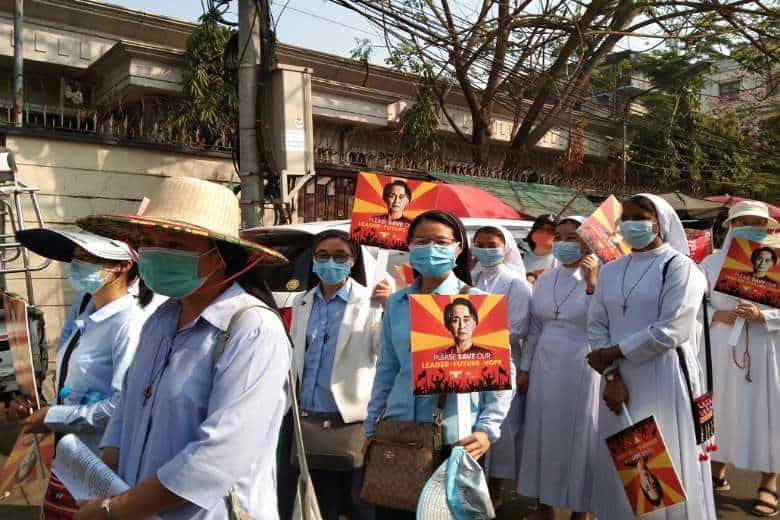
pixel 438 252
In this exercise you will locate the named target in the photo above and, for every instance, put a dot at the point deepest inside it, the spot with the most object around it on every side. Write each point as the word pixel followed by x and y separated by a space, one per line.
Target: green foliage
pixel 208 108
pixel 362 50
pixel 420 129
pixel 679 143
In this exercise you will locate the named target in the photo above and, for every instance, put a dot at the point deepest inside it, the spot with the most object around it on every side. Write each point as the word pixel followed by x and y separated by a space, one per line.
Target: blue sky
pixel 313 24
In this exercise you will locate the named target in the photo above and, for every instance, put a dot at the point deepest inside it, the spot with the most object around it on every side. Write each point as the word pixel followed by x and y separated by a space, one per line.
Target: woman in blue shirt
pixel 438 252
pixel 93 358
pixel 195 432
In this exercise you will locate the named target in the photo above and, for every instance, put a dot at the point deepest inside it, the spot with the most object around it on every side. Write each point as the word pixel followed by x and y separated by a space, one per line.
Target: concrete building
pixel 728 85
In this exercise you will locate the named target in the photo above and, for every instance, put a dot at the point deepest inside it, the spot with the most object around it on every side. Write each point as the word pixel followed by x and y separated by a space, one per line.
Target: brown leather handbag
pixel 400 458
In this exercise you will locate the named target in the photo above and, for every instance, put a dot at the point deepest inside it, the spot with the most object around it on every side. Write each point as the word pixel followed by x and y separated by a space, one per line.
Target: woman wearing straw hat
pixel 195 432
pixel 93 358
pixel 746 378
pixel 644 309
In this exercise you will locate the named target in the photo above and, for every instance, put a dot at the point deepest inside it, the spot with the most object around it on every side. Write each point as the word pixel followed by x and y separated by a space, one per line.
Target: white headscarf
pixel 512 257
pixel 672 231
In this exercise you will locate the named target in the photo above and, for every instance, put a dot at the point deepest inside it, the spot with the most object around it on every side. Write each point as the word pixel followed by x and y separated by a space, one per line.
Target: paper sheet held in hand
pixel 83 473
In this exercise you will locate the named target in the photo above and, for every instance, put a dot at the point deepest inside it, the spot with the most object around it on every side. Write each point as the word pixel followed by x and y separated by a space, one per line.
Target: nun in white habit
pixel 561 409
pixel 638 317
pixel 746 377
pixel 499 270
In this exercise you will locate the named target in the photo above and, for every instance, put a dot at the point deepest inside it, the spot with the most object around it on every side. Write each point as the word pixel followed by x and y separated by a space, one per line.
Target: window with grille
pixel 729 90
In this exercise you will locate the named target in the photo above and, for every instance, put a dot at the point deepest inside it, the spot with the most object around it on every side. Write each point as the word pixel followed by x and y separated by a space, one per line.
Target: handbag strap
pixel 680 353
pixel 707 344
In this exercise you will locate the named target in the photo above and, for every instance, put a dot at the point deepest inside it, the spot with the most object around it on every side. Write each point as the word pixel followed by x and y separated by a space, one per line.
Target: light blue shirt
pixel 68 326
pixel 322 333
pixel 97 365
pixel 392 391
pixel 206 427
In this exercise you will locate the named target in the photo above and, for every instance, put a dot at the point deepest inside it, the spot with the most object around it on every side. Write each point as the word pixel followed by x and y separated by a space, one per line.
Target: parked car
pixel 294 242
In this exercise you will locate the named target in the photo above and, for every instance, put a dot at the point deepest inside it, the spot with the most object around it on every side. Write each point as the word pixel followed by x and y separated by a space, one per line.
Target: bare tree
pixel 536 58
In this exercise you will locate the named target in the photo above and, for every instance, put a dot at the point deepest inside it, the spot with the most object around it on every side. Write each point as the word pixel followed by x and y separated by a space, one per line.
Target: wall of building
pixel 79 178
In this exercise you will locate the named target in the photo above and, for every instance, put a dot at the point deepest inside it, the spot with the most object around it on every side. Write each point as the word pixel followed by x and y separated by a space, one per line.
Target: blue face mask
pixel 488 256
pixel 85 277
pixel 752 233
pixel 567 252
pixel 170 272
pixel 638 233
pixel 331 272
pixel 432 260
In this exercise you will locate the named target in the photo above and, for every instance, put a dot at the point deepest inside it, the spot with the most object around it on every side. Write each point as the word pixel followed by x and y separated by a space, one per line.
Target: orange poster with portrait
pixel 385 207
pixel 600 231
pixel 645 468
pixel 751 271
pixel 459 343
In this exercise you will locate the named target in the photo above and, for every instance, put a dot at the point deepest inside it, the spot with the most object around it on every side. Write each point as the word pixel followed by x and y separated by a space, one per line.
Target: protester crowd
pixel 190 401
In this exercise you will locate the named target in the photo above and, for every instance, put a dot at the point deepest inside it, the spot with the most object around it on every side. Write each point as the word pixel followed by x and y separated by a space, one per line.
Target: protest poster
pixel 700 243
pixel 751 272
pixel 385 207
pixel 18 330
pixel 459 343
pixel 645 467
pixel 600 231
pixel 26 471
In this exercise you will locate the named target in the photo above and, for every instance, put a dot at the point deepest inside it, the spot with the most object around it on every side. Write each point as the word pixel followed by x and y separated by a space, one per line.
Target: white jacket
pixel 357 350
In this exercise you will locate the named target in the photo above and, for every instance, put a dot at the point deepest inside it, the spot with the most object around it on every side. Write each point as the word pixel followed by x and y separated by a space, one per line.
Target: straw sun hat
pixel 184 205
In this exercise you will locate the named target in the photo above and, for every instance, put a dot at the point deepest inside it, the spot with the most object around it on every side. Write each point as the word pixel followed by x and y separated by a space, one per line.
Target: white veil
pixel 672 231
pixel 512 257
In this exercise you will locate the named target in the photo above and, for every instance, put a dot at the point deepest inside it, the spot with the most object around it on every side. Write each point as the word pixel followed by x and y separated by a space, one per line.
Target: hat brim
pixel 47 243
pixel 770 220
pixel 132 227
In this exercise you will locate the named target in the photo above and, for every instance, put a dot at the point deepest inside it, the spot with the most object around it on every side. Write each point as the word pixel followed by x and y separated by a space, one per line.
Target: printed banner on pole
pixel 645 468
pixel 459 343
pixel 385 206
pixel 601 233
pixel 751 271
pixel 17 328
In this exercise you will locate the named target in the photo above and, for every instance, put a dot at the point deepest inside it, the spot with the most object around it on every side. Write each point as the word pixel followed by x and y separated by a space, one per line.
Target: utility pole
pixel 252 178
pixel 18 60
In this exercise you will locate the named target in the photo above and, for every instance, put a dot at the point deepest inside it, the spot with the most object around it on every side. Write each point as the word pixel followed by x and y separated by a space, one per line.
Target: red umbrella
pixel 468 201
pixel 730 200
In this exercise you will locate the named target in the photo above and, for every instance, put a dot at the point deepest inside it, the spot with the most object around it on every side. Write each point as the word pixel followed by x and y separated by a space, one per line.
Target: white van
pixel 294 242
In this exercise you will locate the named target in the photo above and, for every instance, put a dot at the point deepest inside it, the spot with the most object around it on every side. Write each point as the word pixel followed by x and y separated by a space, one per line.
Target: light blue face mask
pixel 85 277
pixel 331 272
pixel 432 260
pixel 567 252
pixel 752 233
pixel 488 256
pixel 170 272
pixel 638 233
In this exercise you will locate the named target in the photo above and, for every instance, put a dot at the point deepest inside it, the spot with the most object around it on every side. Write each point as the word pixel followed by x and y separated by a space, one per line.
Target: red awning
pixel 468 201
pixel 730 200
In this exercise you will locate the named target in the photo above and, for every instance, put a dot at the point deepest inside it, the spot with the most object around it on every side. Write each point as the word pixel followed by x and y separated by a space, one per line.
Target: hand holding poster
pixel 17 328
pixel 600 231
pixel 751 271
pixel 385 206
pixel 645 468
pixel 459 343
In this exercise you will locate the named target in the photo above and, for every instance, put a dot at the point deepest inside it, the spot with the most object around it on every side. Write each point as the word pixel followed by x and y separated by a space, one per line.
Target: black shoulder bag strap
pixel 72 344
pixel 701 407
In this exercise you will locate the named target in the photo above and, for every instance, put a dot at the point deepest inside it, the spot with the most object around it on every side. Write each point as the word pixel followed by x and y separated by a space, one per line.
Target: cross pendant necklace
pixel 555 300
pixel 623 282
